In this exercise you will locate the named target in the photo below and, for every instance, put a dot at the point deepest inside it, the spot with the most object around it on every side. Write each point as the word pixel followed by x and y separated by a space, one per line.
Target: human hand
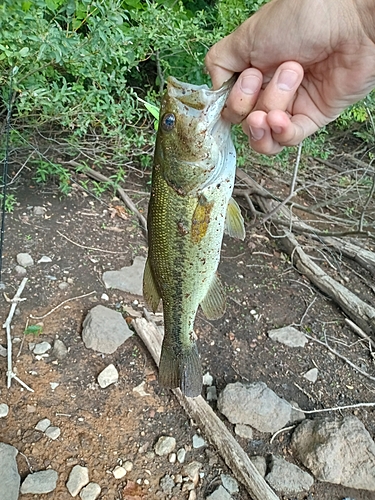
pixel 302 62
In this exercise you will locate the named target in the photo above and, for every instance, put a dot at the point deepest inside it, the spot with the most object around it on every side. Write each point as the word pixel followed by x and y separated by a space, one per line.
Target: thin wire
pixel 5 174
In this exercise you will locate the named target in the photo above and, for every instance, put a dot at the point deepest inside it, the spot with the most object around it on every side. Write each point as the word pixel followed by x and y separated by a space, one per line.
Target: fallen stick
pixel 213 428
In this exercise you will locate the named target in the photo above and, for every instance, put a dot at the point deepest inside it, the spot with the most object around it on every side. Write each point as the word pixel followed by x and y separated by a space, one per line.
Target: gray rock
pixel 198 442
pixel 9 477
pixel 104 330
pixel 211 393
pixel 255 405
pixel 39 211
pixel 4 410
pixel 229 483
pixel 244 431
pixel 219 494
pixel 296 415
pixel 43 425
pixel 78 478
pixel 20 270
pixel 108 376
pixel 90 492
pixel 311 375
pixel 181 455
pixel 128 279
pixel 40 482
pixel 287 478
pixel 260 464
pixel 44 259
pixel 338 451
pixel 63 285
pixel 3 351
pixel 288 336
pixel 167 484
pixel 25 260
pixel 165 445
pixel 191 470
pixel 41 348
pixel 53 432
pixel 60 350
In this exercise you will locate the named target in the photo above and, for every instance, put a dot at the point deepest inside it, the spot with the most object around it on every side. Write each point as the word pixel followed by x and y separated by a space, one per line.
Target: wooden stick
pixel 214 429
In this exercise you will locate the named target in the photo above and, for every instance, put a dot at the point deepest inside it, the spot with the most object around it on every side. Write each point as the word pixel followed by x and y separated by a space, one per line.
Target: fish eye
pixel 168 122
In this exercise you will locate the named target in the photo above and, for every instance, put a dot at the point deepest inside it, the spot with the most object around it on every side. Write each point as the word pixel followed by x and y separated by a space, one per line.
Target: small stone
pixel 119 472
pixel 104 296
pixel 20 270
pixel 288 478
pixel 198 441
pixel 140 389
pixel 53 432
pixel 165 445
pixel 4 410
pixel 192 495
pixel 219 494
pixel 229 483
pixel 54 385
pixel 128 466
pixel 172 458
pixel 191 470
pixel 167 484
pixel 108 376
pixel 40 482
pixel 311 375
pixel 41 348
pixel 39 211
pixel 78 478
pixel 296 415
pixel 211 393
pixel 44 259
pixel 207 379
pixel 3 351
pixel 244 431
pixel 288 336
pixel 260 464
pixel 128 279
pixel 43 425
pixel 63 285
pixel 59 349
pixel 90 492
pixel 9 477
pixel 181 455
pixel 25 260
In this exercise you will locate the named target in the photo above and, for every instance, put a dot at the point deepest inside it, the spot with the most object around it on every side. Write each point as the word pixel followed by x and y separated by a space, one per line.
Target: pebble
pixel 198 441
pixel 39 211
pixel 104 296
pixel 128 279
pixel 78 478
pixel 181 455
pixel 172 458
pixel 167 484
pixel 244 431
pixel 53 432
pixel 54 385
pixel 43 424
pixel 44 259
pixel 108 376
pixel 20 270
pixel 191 470
pixel 311 375
pixel 4 410
pixel 220 494
pixel 128 466
pixel 9 477
pixel 229 483
pixel 41 348
pixel 25 260
pixel 288 336
pixel 40 482
pixel 59 349
pixel 211 393
pixel 3 351
pixel 63 285
pixel 207 379
pixel 90 492
pixel 119 472
pixel 260 464
pixel 165 445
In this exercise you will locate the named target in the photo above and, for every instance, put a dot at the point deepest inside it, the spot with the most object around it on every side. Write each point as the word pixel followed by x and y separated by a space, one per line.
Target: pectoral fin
pixel 213 305
pixel 234 223
pixel 151 292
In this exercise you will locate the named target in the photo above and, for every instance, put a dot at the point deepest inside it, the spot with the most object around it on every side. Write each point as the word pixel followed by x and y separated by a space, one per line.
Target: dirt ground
pixel 101 428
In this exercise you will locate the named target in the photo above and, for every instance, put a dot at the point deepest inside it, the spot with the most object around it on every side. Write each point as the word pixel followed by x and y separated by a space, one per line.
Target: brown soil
pixel 100 428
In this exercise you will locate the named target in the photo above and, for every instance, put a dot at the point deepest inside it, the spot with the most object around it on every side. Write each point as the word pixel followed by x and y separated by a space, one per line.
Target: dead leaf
pixel 132 491
pixel 120 211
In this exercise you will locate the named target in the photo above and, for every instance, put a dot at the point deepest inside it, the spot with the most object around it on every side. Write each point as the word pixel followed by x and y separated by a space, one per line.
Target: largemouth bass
pixel 190 207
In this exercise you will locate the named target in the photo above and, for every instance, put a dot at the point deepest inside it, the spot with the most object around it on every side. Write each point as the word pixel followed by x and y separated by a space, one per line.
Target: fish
pixel 190 207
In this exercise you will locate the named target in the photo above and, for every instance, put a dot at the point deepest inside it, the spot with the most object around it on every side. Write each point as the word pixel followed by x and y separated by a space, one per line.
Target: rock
pixel 128 466
pixel 90 492
pixel 165 445
pixel 288 336
pixel 296 415
pixel 255 405
pixel 41 348
pixel 338 451
pixel 43 424
pixel 119 472
pixel 191 470
pixel 172 458
pixel 78 478
pixel 4 410
pixel 260 464
pixel 287 478
pixel 59 350
pixel 181 455
pixel 140 389
pixel 229 483
pixel 9 477
pixel 53 432
pixel 211 393
pixel 128 279
pixel 108 376
pixel 311 375
pixel 44 259
pixel 244 431
pixel 104 296
pixel 219 494
pixel 40 482
pixel 198 442
pixel 20 270
pixel 207 379
pixel 167 484
pixel 25 260
pixel 39 211
pixel 104 330
pixel 3 351
pixel 63 285
pixel 54 385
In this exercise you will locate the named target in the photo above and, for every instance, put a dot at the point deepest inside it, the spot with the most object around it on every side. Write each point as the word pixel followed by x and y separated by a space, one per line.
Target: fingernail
pixel 287 79
pixel 256 133
pixel 277 130
pixel 250 84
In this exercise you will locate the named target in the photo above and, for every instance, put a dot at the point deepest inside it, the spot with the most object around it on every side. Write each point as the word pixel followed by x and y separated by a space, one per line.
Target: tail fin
pixel 183 370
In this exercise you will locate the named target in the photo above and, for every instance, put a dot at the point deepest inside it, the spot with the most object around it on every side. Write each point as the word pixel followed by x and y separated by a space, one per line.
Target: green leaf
pixel 33 330
pixel 24 51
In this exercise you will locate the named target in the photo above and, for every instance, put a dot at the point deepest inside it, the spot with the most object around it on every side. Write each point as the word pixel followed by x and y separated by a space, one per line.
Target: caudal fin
pixel 183 371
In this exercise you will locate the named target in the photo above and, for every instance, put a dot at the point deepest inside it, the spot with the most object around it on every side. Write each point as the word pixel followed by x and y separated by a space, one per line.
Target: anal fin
pixel 151 292
pixel 234 223
pixel 213 305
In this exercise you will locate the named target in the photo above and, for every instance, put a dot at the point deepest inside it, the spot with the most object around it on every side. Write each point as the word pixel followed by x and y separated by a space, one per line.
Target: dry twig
pixel 62 303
